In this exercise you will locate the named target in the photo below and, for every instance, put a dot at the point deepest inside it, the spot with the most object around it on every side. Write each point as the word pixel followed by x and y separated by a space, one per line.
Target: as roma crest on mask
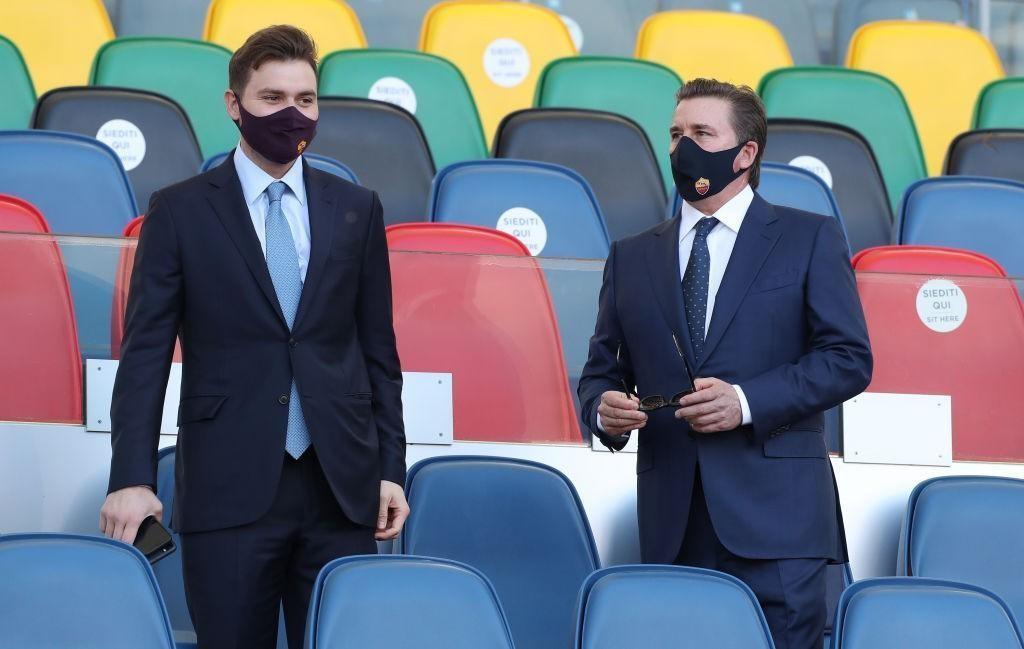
pixel 302 147
pixel 702 186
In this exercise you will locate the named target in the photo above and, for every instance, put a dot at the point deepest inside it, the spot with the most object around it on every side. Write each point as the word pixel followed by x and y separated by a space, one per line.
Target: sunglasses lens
pixel 652 403
pixel 677 398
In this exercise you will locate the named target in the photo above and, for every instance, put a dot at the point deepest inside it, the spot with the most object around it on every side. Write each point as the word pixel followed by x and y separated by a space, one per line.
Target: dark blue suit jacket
pixel 199 269
pixel 788 328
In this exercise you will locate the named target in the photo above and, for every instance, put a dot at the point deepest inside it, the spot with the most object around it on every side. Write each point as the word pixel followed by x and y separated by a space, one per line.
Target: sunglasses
pixel 656 401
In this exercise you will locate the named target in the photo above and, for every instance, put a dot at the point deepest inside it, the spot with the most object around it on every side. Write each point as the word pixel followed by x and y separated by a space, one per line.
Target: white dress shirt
pixel 254 188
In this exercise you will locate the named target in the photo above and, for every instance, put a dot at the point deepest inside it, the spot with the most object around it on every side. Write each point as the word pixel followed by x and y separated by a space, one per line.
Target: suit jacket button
pixel 283 399
pixel 293 343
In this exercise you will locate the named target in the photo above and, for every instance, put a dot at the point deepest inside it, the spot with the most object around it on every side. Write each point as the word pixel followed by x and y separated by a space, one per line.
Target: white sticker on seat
pixel 941 305
pixel 127 141
pixel 394 91
pixel 506 62
pixel 525 225
pixel 815 166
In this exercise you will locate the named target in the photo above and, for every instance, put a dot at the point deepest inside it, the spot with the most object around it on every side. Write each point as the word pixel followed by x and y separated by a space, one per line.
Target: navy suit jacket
pixel 788 328
pixel 199 270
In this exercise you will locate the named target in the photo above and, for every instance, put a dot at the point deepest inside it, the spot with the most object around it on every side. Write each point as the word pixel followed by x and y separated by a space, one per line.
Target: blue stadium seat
pixel 87 592
pixel 168 570
pixel 315 160
pixel 985 215
pixel 520 523
pixel 668 606
pixel 967 528
pixel 916 613
pixel 94 194
pixel 404 603
pixel 550 208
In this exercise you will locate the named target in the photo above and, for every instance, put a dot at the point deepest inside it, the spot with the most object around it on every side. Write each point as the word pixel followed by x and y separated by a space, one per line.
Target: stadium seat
pixel 1001 104
pixel 19 96
pixel 954 528
pixel 1006 30
pixel 912 613
pixel 713 44
pixel 644 92
pixel 412 602
pixel 867 103
pixel 610 151
pixel 149 132
pixel 985 215
pixel 180 19
pixel 549 208
pixel 315 160
pixel 87 592
pixel 851 14
pixel 56 37
pixel 844 161
pixel 427 86
pixel 489 322
pixel 95 196
pixel 995 153
pixel 520 523
pixel 192 73
pixel 602 27
pixel 386 149
pixel 501 48
pixel 838 578
pixel 668 606
pixel 17 215
pixel 940 68
pixel 978 362
pixel 168 570
pixel 331 23
pixel 792 17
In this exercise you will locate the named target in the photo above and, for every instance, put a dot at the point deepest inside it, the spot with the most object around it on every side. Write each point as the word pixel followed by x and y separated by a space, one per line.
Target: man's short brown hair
pixel 747 116
pixel 275 43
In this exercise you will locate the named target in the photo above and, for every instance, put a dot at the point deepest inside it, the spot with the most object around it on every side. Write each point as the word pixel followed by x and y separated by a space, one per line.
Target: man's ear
pixel 231 105
pixel 745 158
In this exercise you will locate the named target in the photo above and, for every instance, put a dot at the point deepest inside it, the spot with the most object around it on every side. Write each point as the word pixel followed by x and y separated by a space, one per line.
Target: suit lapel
pixel 321 232
pixel 663 266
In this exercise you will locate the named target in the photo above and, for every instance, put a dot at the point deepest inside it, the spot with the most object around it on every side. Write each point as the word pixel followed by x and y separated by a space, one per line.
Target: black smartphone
pixel 154 540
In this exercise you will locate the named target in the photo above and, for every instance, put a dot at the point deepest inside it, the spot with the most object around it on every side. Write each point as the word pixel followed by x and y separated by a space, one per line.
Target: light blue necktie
pixel 283 264
pixel 695 285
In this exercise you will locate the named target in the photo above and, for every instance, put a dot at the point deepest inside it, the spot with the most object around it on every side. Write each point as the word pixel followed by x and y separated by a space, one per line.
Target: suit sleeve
pixel 152 319
pixel 377 339
pixel 601 372
pixel 838 363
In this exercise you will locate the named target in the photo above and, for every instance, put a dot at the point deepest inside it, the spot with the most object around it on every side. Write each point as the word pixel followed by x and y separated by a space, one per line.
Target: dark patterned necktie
pixel 695 285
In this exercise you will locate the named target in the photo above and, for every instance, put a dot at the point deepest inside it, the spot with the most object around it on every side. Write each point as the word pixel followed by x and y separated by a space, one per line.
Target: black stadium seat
pixel 850 166
pixel 385 147
pixel 610 151
pixel 150 133
pixel 996 153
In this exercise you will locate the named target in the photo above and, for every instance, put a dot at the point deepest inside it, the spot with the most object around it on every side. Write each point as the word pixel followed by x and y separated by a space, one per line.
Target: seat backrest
pixel 331 23
pixel 192 73
pixel 713 44
pixel 995 153
pixel 940 68
pixel 488 320
pixel 851 14
pixel 930 260
pixel 666 606
pixel 913 613
pixel 862 101
pixel 17 215
pixel 168 570
pixel 603 27
pixel 551 209
pixel 427 86
pixel 520 523
pixel 64 590
pixel 1001 104
pixel 955 526
pixel 441 604
pixel 501 48
pixel 385 147
pixel 56 37
pixel 844 161
pixel 315 160
pixel 644 92
pixel 19 96
pixel 181 18
pixel 981 214
pixel 133 123
pixel 628 184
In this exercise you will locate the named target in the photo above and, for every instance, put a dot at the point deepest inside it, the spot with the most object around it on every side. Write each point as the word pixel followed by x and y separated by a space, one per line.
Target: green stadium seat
pixel 1001 104
pixel 19 96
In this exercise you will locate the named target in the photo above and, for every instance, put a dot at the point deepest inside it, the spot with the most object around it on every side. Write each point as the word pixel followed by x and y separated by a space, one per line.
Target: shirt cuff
pixel 600 424
pixel 744 407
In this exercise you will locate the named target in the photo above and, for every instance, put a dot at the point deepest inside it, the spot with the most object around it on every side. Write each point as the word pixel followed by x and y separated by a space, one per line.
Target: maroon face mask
pixel 281 136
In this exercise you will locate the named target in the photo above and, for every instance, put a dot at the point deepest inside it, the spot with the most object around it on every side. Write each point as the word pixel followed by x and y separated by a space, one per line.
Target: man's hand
pixel 620 414
pixel 393 511
pixel 125 509
pixel 713 408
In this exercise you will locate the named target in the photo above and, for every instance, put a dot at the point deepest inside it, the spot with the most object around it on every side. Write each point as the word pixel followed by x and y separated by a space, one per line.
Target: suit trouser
pixel 236 579
pixel 791 591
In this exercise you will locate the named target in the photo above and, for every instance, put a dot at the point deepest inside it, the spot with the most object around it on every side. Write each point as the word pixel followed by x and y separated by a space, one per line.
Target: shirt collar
pixel 255 181
pixel 731 214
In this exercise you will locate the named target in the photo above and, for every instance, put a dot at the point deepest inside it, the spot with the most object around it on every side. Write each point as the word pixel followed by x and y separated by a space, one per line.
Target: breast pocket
pixel 776 280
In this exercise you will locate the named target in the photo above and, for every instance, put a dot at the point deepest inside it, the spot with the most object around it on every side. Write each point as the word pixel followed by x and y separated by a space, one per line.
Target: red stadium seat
pixel 134 228
pixel 487 320
pixel 980 363
pixel 42 366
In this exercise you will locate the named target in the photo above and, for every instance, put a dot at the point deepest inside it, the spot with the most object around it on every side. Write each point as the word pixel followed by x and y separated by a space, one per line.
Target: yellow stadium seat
pixel 332 23
pixel 733 47
pixel 940 68
pixel 501 48
pixel 58 38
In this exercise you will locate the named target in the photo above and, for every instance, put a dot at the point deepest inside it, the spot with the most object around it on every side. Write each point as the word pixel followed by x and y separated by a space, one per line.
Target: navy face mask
pixel 281 136
pixel 700 174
